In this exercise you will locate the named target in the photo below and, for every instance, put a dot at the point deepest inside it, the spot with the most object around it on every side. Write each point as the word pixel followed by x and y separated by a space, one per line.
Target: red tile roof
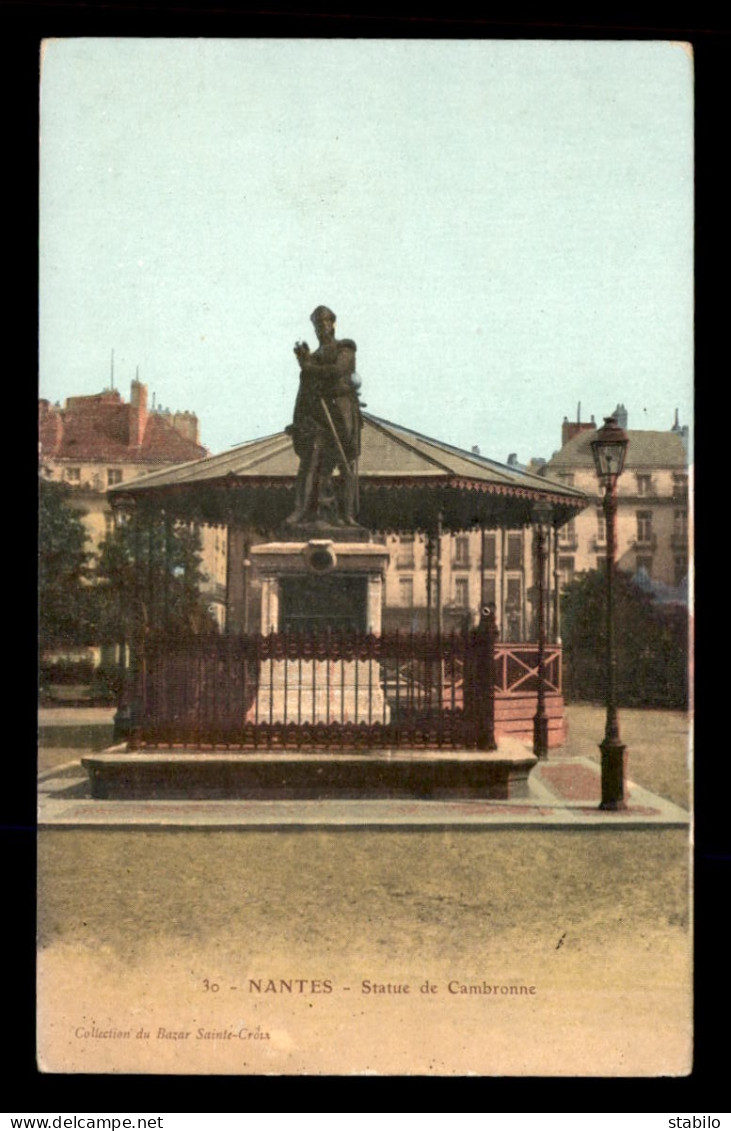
pixel 102 427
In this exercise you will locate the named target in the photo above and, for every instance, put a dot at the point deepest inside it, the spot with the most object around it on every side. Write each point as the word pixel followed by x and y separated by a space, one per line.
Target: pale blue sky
pixel 504 227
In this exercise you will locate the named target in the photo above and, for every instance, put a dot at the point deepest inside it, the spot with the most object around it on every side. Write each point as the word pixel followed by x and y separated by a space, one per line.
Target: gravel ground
pixel 444 891
pixel 135 927
pixel 658 748
pixel 65 733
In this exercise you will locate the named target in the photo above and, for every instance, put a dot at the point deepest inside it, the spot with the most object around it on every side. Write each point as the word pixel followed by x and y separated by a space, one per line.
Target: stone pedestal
pixel 320 691
pixel 321 583
pixel 310 587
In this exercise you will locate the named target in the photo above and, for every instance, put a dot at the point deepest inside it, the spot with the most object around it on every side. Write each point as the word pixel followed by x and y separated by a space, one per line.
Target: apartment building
pixel 653 516
pixel 477 568
pixel 96 442
pixel 498 566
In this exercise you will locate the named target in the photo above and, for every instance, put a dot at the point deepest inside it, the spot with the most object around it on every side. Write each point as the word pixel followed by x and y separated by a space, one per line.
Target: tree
pixel 63 570
pixel 651 643
pixel 149 569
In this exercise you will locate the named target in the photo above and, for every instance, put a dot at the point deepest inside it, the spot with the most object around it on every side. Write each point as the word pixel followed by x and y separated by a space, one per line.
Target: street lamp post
pixel 542 515
pixel 609 449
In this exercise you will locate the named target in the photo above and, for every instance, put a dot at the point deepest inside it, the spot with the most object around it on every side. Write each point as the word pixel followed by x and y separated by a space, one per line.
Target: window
pixel 512 618
pixel 461 551
pixel 680 524
pixel 114 476
pixel 406 591
pixel 566 570
pixel 73 474
pixel 601 526
pixel 567 534
pixel 645 564
pixel 489 545
pixel 680 488
pixel 514 592
pixel 489 591
pixel 515 551
pixel 644 484
pixel 462 592
pixel 680 568
pixel 405 552
pixel 567 478
pixel 644 527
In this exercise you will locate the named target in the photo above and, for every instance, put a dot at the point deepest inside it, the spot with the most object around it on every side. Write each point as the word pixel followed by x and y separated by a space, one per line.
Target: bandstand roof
pixel 406 480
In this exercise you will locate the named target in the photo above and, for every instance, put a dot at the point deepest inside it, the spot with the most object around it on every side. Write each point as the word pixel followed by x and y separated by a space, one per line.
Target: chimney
pixel 571 428
pixel 137 413
pixel 620 415
pixel 677 428
pixel 513 459
pixel 186 425
pixel 50 428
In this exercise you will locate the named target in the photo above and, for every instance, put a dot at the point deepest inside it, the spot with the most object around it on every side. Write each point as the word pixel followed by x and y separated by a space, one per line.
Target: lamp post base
pixel 614 763
pixel 540 736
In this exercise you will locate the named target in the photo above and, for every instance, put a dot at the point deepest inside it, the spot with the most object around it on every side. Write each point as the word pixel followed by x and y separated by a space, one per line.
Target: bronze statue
pixel 326 429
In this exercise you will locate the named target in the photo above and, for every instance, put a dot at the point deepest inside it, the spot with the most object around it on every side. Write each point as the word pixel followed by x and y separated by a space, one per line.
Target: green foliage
pixel 651 642
pixel 149 574
pixel 63 569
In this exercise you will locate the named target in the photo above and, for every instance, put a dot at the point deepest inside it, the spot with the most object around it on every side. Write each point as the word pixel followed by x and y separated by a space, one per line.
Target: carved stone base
pixel 323 583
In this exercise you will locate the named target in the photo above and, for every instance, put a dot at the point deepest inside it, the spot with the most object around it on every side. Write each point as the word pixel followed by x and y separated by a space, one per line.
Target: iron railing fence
pixel 336 690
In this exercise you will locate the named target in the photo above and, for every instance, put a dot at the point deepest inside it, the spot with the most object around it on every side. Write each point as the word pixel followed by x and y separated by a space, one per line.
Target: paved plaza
pixel 564 791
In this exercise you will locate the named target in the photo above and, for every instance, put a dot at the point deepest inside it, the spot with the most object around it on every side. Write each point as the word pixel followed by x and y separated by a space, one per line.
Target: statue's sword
pixel 346 465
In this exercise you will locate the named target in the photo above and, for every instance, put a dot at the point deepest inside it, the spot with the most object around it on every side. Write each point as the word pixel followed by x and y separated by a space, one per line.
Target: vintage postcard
pixel 366 512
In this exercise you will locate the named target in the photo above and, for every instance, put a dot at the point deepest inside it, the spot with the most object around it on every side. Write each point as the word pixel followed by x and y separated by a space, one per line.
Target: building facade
pixel 478 567
pixel 99 442
pixel 653 501
pixel 498 567
pixel 96 442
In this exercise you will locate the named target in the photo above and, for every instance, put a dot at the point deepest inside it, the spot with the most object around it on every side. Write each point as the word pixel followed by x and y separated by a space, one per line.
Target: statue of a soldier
pixel 326 429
